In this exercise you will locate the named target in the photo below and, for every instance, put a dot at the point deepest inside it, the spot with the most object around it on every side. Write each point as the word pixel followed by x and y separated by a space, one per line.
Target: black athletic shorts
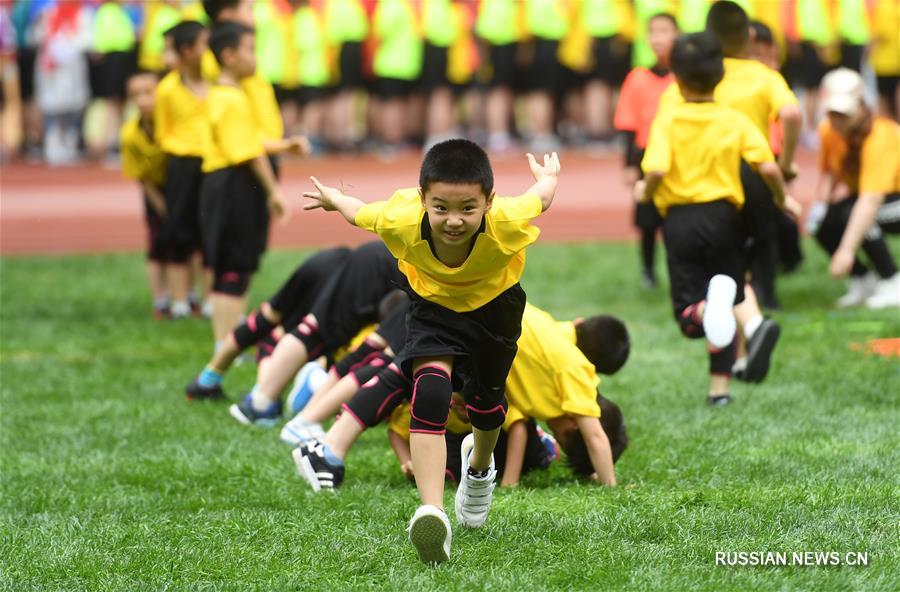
pixel 804 67
pixel 350 61
pixel 394 88
pixel 393 328
pixel 434 68
pixel 349 301
pixel 182 192
pixel 702 240
pixel 500 67
pixel 760 213
pixel 544 70
pixel 156 248
pixel 852 56
pixel 113 70
pixel 26 58
pixel 232 214
pixel 482 342
pixel 297 295
pixel 612 60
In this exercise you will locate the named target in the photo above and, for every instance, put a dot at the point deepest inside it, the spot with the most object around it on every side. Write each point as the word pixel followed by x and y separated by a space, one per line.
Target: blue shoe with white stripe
pixel 247 415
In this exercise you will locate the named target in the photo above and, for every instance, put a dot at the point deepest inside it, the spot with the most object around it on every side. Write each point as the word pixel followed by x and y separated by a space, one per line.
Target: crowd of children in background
pixel 543 72
pixel 429 330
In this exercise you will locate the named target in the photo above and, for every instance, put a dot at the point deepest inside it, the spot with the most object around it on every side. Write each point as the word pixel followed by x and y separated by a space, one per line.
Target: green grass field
pixel 110 481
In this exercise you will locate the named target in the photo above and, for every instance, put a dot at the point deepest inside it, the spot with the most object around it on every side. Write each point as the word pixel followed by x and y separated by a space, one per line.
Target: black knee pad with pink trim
pixel 233 283
pixel 430 407
pixel 310 336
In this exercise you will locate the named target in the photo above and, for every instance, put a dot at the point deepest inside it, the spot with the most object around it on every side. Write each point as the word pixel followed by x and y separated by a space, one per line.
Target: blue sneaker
pixel 551 447
pixel 247 415
pixel 308 380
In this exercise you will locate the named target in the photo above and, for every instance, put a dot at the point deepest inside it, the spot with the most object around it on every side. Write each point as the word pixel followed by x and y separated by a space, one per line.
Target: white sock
pixel 258 401
pixel 752 325
pixel 181 309
pixel 718 316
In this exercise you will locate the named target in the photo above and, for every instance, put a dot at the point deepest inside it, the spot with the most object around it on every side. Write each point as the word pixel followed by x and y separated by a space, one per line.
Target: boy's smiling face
pixel 455 211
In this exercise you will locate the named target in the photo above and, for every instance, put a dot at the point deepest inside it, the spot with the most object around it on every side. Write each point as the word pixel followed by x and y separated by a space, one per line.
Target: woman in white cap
pixel 860 162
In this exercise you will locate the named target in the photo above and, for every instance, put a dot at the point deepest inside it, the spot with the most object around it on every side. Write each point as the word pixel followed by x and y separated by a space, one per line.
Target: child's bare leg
pixel 485 441
pixel 289 356
pixel 156 277
pixel 227 312
pixel 325 406
pixel 343 434
pixel 431 390
pixel 179 286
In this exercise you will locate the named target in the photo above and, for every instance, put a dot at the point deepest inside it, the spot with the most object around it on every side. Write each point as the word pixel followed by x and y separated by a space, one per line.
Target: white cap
pixel 842 91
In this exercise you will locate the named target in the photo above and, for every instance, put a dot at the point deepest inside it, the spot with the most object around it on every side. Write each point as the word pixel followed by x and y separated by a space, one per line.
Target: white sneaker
pixel 473 496
pixel 858 291
pixel 181 310
pixel 718 316
pixel 298 430
pixel 886 293
pixel 429 532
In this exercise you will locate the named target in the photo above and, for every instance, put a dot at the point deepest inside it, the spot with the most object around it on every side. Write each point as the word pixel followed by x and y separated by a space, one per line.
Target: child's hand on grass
pixel 407 469
pixel 841 263
pixel 324 197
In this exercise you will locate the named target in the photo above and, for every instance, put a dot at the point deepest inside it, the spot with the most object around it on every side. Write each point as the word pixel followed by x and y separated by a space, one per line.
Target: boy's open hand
pixel 324 197
pixel 550 168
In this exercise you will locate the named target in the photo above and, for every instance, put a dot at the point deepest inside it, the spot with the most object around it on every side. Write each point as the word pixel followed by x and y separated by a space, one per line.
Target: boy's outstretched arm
pixel 598 448
pixel 331 199
pixel 546 176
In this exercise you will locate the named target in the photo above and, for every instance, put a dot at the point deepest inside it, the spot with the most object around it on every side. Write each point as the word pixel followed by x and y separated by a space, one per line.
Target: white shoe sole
pixel 718 317
pixel 306 470
pixel 428 534
pixel 236 413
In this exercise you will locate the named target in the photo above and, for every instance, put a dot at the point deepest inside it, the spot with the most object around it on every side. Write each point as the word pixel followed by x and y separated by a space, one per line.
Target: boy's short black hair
pixel 731 26
pixel 577 457
pixel 214 8
pixel 697 61
pixel 665 16
pixel 604 340
pixel 227 36
pixel 457 161
pixel 762 33
pixel 184 34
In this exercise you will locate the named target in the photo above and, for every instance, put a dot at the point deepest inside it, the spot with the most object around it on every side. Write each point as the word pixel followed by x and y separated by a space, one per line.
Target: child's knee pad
pixel 690 322
pixel 309 335
pixel 430 407
pixel 378 397
pixel 233 283
pixel 486 415
pixel 252 330
pixel 361 356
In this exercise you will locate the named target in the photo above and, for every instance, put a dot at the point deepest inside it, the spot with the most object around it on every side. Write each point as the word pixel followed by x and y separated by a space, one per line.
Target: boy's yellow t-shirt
pixel 400 418
pixel 550 377
pixel 699 147
pixel 233 136
pixel 749 86
pixel 142 158
pixel 179 117
pixel 495 263
pixel 261 95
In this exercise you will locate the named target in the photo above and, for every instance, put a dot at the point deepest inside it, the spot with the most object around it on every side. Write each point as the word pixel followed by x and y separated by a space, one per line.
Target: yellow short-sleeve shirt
pixel 142 158
pixel 699 147
pixel 261 95
pixel 179 117
pixel 494 265
pixel 748 86
pixel 233 135
pixel 879 159
pixel 550 376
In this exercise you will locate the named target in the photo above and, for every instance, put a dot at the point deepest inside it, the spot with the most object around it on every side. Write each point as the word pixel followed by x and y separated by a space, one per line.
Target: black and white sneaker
pixel 759 350
pixel 197 392
pixel 315 470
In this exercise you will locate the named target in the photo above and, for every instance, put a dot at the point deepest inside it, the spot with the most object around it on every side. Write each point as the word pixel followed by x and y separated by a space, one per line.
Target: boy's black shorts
pixel 434 68
pixel 349 300
pixel 232 213
pixel 297 295
pixel 500 69
pixel 393 88
pixel 760 214
pixel 612 60
pixel 182 192
pixel 393 328
pixel 156 248
pixel 804 67
pixel 702 240
pixel 544 71
pixel 350 61
pixel 482 342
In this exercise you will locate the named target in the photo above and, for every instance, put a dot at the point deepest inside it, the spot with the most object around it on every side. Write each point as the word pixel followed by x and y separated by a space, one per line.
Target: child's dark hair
pixel 731 26
pixel 762 33
pixel 185 34
pixel 604 340
pixel 697 61
pixel 227 36
pixel 577 457
pixel 214 8
pixel 667 16
pixel 457 161
pixel 141 72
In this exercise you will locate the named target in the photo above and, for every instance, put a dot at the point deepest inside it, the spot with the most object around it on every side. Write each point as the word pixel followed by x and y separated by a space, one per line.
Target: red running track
pixel 89 209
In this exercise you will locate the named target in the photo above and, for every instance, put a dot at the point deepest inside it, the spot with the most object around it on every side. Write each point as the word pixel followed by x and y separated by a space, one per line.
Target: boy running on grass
pixel 462 252
pixel 692 167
